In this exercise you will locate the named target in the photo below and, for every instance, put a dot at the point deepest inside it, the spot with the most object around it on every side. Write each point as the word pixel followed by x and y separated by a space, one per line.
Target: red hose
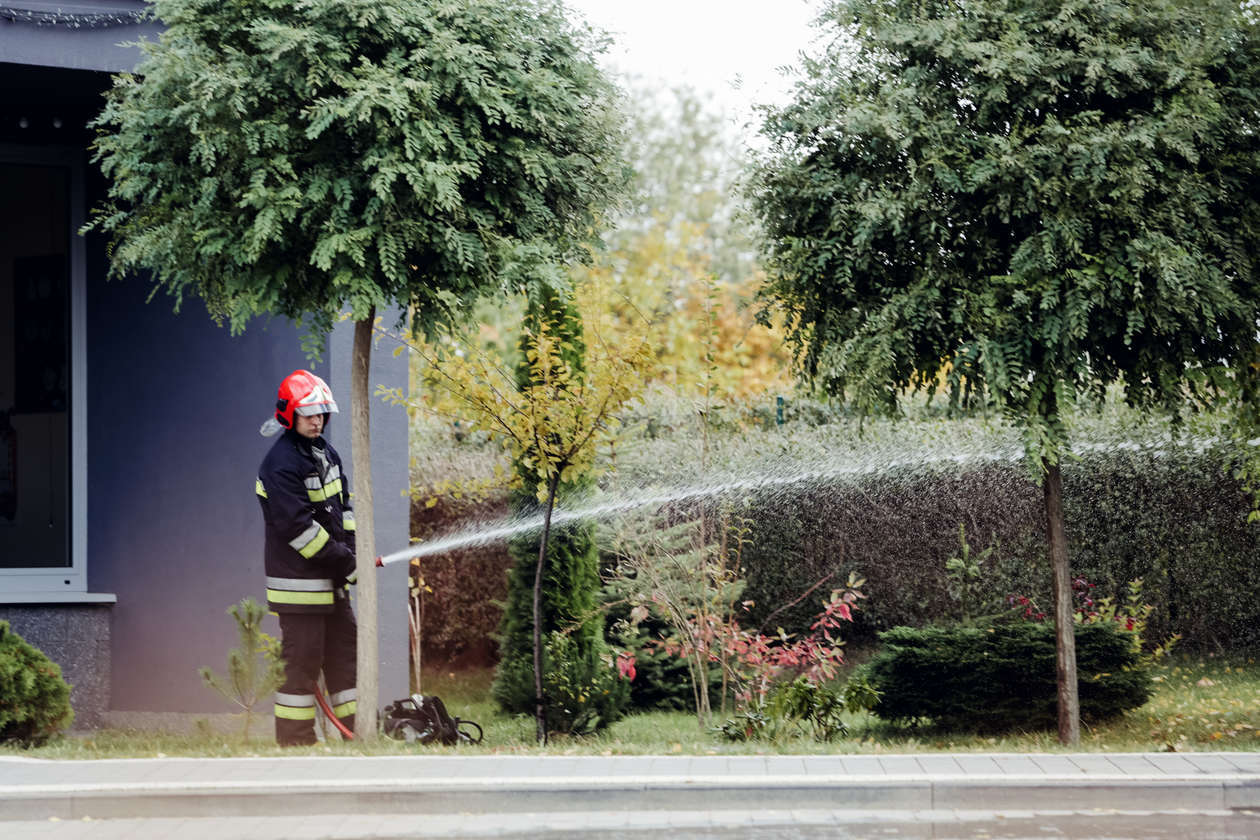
pixel 323 704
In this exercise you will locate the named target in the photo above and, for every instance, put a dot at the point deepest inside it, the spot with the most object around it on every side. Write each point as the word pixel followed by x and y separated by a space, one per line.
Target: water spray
pixel 468 538
pixel 561 516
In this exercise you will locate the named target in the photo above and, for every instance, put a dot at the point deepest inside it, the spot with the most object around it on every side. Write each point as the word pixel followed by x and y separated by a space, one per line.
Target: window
pixel 43 519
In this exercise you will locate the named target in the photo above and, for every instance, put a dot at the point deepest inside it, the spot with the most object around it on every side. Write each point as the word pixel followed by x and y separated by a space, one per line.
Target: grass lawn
pixel 1199 705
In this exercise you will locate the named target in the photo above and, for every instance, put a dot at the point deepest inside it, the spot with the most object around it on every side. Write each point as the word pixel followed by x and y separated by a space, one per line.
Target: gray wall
pixel 390 477
pixel 174 526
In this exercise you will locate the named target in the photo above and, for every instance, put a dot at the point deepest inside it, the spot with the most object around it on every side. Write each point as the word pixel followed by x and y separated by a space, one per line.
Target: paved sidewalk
pixel 500 786
pixel 697 824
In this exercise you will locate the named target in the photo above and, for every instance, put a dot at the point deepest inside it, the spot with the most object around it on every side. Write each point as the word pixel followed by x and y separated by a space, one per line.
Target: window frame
pixel 64 583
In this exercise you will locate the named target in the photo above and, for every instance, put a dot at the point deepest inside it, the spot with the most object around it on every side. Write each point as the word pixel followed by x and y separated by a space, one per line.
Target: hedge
pixel 1172 516
pixel 463 611
pixel 1166 511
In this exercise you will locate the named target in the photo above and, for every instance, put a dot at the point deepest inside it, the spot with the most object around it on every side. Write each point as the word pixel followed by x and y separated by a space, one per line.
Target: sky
pixel 730 48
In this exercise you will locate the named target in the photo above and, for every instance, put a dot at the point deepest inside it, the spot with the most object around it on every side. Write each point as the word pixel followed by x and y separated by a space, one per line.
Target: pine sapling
pixel 255 669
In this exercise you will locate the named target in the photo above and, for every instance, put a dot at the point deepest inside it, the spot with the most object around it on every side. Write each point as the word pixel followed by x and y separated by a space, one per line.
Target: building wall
pixel 174 526
pixel 390 479
pixel 175 529
pixel 173 408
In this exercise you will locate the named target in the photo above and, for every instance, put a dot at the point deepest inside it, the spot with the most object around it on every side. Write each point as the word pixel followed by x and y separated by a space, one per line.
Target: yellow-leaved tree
pixel 551 411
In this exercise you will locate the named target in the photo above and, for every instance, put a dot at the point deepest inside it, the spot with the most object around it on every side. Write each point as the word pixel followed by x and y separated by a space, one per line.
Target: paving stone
pixel 939 765
pixel 785 765
pixel 1017 765
pixel 825 765
pixel 1245 762
pixel 1216 763
pixel 863 765
pixel 1057 765
pixel 899 765
pixel 978 765
pixel 1094 764
pixel 1136 765
pixel 669 765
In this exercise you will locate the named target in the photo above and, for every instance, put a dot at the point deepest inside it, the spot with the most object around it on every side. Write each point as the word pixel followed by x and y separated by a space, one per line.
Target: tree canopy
pixel 297 157
pixel 1031 197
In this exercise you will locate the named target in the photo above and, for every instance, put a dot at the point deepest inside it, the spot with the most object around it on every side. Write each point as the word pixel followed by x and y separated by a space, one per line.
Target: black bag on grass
pixel 423 719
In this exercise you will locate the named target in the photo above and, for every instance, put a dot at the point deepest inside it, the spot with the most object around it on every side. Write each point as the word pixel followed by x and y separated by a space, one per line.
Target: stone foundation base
pixel 76 637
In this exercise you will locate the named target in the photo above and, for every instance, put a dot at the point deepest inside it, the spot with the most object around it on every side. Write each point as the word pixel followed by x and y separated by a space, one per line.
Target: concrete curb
pixel 551 794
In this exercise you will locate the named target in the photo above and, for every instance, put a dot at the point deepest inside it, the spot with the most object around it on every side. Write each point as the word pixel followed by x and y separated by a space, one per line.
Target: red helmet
pixel 302 392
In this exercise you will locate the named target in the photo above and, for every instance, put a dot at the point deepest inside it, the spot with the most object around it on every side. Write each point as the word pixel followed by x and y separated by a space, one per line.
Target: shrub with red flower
pixel 625 665
pixel 1131 612
pixel 755 662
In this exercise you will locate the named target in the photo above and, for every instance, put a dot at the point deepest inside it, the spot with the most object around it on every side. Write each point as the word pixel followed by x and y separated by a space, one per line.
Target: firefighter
pixel 309 557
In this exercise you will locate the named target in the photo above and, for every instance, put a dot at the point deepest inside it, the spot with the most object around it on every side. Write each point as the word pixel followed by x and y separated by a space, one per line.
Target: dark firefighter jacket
pixel 310 525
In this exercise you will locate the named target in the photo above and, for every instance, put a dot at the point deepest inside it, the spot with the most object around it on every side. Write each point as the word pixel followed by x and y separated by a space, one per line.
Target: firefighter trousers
pixel 310 643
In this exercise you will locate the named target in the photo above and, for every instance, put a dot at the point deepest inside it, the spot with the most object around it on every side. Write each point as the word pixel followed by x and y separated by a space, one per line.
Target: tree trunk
pixel 540 705
pixel 368 682
pixel 1064 625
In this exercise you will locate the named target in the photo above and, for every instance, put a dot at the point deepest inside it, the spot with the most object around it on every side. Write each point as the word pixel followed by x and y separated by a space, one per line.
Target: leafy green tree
pixel 1027 199
pixel 305 158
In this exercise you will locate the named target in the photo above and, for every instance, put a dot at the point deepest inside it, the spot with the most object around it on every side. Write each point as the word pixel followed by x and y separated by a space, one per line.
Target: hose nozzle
pixel 379 562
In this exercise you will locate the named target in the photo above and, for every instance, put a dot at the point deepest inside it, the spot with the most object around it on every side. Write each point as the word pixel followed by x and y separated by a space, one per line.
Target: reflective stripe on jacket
pixel 309 551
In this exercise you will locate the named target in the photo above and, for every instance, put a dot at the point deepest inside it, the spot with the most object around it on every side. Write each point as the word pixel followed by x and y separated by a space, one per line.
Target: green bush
pixel 795 708
pixel 662 681
pixel 34 699
pixel 583 690
pixel 1139 503
pixel 1002 677
pixel 584 693
pixel 827 493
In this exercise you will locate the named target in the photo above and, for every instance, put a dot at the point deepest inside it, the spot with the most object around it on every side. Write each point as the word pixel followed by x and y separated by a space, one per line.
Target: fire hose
pixel 328 712
pixel 438 725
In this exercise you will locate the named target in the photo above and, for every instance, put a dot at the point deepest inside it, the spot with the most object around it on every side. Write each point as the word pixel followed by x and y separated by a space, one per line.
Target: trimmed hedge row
pixel 463 611
pixel 1173 517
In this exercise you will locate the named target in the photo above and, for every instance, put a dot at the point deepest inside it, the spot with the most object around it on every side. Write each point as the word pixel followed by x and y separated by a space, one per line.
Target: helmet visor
pixel 318 401
pixel 329 407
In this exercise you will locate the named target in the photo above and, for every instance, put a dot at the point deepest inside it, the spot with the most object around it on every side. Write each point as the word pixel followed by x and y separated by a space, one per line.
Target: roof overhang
pixel 84 35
